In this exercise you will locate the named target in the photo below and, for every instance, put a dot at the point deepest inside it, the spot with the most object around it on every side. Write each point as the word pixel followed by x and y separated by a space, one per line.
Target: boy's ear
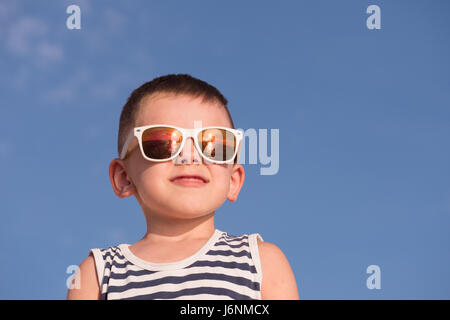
pixel 236 181
pixel 122 186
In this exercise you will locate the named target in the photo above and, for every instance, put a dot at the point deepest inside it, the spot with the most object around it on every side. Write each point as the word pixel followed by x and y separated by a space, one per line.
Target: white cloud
pixel 28 37
pixel 22 34
pixel 37 44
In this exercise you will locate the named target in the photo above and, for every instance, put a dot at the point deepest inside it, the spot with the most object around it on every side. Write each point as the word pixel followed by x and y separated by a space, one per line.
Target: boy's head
pixel 180 84
pixel 177 100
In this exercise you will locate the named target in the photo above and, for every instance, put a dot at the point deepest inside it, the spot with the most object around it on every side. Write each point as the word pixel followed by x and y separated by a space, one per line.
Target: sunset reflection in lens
pixel 217 144
pixel 161 143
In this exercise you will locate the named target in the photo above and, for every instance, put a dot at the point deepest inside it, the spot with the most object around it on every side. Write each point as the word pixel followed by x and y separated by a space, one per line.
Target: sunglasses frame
pixel 186 134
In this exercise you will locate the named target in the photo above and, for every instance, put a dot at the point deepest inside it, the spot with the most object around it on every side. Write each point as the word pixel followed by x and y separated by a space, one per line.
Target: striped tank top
pixel 227 267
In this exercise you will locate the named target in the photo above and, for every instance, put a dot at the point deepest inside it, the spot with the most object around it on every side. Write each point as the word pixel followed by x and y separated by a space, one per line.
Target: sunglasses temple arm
pixel 125 146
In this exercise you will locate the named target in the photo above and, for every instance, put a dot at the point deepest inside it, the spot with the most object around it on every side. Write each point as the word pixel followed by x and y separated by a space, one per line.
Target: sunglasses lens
pixel 161 142
pixel 217 144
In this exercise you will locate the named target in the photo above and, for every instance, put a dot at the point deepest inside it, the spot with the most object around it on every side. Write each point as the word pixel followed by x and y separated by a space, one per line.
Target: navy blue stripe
pixel 112 256
pixel 109 265
pixel 112 249
pixel 104 281
pixel 227 253
pixel 225 264
pixel 234 236
pixel 191 291
pixel 230 238
pixel 237 237
pixel 121 276
pixel 190 277
pixel 115 265
pixel 223 243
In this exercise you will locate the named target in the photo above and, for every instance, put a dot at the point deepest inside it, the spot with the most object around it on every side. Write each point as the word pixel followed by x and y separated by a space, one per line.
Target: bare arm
pixel 278 281
pixel 89 288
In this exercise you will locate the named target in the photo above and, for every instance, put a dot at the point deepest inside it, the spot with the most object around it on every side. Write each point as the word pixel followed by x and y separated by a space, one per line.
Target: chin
pixel 187 212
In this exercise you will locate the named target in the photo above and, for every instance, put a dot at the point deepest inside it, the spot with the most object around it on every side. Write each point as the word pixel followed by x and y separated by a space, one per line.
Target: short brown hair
pixel 171 83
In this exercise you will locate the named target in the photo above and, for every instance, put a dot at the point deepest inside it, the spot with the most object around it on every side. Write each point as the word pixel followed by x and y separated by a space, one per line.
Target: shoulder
pixel 278 280
pixel 85 284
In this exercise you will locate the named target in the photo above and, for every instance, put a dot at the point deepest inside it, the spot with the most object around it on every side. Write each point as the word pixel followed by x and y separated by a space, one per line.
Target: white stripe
pixel 242 259
pixel 225 247
pixel 184 272
pixel 128 268
pixel 170 287
pixel 132 267
pixel 253 242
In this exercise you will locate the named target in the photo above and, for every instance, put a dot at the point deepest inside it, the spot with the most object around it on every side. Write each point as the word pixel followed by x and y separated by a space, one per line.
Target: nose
pixel 189 154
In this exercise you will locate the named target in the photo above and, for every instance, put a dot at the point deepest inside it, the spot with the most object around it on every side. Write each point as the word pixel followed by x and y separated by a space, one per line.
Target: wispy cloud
pixel 27 37
pixel 26 46
pixel 23 35
pixel 34 48
pixel 7 8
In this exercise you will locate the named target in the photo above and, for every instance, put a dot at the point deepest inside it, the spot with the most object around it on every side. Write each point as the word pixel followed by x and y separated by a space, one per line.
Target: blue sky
pixel 363 117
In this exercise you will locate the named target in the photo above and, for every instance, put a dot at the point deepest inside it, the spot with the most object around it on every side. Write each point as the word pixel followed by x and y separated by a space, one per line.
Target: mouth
pixel 190 180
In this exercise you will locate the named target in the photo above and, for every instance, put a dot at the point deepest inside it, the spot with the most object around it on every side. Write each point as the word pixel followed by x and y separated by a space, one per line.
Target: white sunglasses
pixel 161 142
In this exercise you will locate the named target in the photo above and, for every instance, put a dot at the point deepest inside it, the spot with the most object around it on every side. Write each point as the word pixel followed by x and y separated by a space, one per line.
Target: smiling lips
pixel 190 180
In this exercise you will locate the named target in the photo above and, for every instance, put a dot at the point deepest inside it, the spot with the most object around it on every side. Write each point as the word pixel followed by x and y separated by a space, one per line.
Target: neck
pixel 163 229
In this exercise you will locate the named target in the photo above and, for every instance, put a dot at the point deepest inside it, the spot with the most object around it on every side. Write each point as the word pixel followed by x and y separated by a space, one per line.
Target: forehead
pixel 181 111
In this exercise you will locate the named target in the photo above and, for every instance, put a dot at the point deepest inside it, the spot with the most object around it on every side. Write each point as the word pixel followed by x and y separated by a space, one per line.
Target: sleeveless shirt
pixel 226 267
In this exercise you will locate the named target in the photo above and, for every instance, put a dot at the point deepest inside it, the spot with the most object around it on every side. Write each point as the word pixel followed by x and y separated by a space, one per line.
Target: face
pixel 151 182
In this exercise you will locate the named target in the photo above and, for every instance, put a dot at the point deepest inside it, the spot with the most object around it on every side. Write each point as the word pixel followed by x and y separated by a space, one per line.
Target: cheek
pixel 153 191
pixel 150 181
pixel 220 185
pixel 153 176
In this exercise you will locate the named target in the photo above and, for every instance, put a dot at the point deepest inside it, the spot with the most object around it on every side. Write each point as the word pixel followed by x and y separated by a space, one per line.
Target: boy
pixel 181 174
